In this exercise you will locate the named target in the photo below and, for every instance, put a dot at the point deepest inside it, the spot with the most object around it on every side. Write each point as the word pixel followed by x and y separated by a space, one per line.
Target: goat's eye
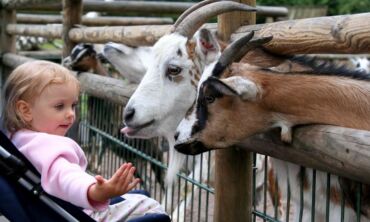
pixel 209 99
pixel 173 70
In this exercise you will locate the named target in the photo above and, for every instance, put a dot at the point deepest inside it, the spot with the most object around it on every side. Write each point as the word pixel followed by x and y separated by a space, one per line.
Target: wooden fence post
pixel 233 171
pixel 7 42
pixel 72 15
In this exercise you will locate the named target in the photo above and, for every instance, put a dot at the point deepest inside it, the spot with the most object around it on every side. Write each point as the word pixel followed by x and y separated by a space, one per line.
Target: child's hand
pixel 121 182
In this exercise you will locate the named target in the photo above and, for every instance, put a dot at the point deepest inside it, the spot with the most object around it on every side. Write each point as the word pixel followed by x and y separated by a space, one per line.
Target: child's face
pixel 53 111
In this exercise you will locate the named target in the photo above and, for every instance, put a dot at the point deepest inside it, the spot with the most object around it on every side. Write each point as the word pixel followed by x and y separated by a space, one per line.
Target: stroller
pixel 22 197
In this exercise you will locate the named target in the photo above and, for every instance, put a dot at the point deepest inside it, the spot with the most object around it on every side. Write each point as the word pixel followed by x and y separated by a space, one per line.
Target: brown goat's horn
pixel 190 10
pixel 197 18
pixel 236 50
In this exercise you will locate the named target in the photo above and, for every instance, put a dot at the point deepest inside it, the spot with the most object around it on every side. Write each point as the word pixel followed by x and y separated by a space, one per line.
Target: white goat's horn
pixel 197 18
pixel 191 9
pixel 236 50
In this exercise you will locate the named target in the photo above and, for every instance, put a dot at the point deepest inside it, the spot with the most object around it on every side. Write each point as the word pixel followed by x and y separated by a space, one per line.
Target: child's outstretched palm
pixel 120 183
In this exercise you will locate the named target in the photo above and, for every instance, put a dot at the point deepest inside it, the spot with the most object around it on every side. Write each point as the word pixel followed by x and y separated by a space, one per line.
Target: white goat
pixel 130 62
pixel 169 85
pixel 248 100
pixel 168 88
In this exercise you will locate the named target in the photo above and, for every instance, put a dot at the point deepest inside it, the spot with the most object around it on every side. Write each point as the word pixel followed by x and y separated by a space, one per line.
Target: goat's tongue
pixel 127 130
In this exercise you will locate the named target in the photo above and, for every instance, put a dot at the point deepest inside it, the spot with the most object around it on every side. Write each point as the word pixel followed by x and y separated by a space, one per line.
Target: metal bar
pixel 313 199
pixel 328 198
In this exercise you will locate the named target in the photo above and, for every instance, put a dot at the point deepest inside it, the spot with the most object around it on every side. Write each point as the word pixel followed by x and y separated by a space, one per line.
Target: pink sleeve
pixel 62 165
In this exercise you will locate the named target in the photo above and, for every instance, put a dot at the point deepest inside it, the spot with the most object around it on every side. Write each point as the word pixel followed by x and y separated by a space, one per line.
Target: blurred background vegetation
pixel 335 7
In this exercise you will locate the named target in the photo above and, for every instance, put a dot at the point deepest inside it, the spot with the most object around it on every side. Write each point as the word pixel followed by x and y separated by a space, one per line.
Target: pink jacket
pixel 61 163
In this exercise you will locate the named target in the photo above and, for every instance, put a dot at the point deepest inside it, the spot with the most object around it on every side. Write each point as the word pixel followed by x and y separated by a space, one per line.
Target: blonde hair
pixel 27 82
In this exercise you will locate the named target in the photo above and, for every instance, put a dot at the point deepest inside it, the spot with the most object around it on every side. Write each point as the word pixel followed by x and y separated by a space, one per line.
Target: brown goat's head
pixel 220 115
pixel 82 58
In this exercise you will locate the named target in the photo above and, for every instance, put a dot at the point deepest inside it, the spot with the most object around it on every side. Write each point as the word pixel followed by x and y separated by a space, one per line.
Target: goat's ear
pixel 245 88
pixel 220 86
pixel 207 45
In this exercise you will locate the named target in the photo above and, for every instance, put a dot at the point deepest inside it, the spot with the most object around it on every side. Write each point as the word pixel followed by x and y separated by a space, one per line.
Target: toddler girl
pixel 39 104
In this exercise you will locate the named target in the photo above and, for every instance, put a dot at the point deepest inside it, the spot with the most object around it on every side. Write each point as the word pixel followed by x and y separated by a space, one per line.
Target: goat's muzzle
pixel 191 148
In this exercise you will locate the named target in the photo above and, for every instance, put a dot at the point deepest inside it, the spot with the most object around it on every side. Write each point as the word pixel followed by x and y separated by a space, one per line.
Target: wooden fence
pixel 335 34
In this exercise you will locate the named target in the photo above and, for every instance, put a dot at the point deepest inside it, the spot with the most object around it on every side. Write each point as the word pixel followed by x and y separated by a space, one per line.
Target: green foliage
pixel 353 6
pixel 292 2
pixel 335 7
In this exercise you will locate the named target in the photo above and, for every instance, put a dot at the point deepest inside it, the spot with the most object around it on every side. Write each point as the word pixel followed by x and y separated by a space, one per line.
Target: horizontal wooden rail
pixel 131 35
pixel 42 54
pixel 13 4
pixel 99 21
pixel 115 90
pixel 332 34
pixel 47 31
pixel 338 150
pixel 152 7
pixel 117 6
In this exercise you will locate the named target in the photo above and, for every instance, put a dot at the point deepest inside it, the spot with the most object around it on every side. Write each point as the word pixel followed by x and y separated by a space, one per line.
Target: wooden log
pixel 13 60
pixel 233 167
pixel 338 150
pixel 49 54
pixel 72 15
pixel 332 34
pixel 125 21
pixel 38 19
pixel 99 21
pixel 48 31
pixel 144 7
pixel 272 11
pixel 156 7
pixel 13 4
pixel 131 35
pixel 115 90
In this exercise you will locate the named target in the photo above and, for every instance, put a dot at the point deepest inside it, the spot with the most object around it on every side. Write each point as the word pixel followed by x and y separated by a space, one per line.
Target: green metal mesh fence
pixel 191 198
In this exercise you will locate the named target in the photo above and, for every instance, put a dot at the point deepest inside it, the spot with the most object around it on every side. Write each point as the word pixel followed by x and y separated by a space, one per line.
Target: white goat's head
pixel 130 62
pixel 168 88
pixel 189 132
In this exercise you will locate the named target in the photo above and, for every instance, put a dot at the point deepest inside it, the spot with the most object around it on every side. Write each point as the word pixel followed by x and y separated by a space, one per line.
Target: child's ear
pixel 24 110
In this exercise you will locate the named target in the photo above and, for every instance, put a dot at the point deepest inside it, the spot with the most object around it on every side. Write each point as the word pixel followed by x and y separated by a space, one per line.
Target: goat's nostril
pixel 129 114
pixel 176 135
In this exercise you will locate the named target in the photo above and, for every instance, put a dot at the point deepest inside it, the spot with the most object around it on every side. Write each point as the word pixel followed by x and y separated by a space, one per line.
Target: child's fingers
pixel 118 174
pixel 133 184
pixel 128 177
pixel 125 173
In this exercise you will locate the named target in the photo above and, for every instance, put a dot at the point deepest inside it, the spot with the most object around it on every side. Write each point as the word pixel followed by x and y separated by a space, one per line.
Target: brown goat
pixel 248 100
pixel 254 101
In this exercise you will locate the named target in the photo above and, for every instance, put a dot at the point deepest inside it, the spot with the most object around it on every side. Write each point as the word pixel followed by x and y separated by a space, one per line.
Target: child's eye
pixel 59 107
